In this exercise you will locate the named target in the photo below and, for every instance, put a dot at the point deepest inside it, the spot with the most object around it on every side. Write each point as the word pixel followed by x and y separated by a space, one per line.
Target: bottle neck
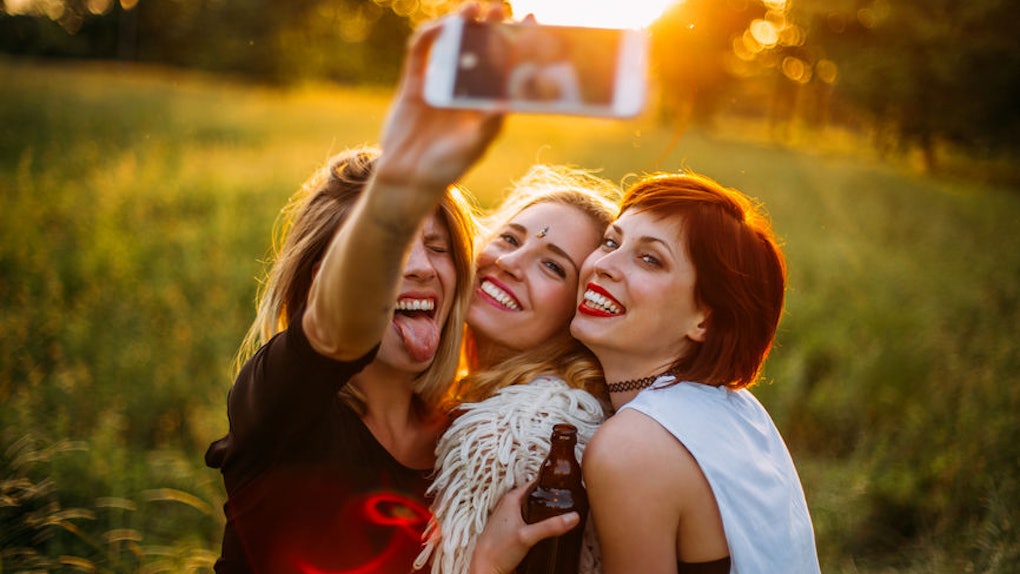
pixel 561 469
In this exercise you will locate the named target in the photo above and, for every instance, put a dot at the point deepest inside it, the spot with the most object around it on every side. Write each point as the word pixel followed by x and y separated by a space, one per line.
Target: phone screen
pixel 530 63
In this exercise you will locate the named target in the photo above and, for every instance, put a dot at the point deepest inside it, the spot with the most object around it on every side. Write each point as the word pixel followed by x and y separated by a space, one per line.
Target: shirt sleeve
pixel 286 384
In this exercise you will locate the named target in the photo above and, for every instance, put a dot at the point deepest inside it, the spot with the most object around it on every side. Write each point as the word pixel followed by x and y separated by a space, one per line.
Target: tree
pixel 276 40
pixel 928 71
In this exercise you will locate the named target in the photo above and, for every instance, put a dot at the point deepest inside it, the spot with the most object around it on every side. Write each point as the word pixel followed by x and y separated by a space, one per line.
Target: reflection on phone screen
pixel 537 63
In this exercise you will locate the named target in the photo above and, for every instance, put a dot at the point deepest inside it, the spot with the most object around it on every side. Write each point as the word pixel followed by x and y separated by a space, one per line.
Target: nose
pixel 605 265
pixel 419 264
pixel 510 263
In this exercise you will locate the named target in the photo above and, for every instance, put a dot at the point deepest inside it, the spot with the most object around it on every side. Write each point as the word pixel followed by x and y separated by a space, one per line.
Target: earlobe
pixel 699 330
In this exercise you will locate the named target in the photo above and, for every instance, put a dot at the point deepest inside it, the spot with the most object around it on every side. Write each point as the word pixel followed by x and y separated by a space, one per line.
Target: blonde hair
pixel 566 185
pixel 302 234
pixel 564 356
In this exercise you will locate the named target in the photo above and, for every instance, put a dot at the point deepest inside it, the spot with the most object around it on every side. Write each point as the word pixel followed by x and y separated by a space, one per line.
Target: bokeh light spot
pixel 827 71
pixel 765 33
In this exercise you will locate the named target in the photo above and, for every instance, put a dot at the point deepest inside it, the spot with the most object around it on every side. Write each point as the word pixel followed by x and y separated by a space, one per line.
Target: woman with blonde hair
pixel 570 193
pixel 524 371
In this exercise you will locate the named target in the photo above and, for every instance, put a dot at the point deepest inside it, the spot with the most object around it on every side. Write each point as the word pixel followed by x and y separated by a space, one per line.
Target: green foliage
pixel 279 41
pixel 137 206
pixel 912 385
pixel 931 75
pixel 927 71
pixel 41 532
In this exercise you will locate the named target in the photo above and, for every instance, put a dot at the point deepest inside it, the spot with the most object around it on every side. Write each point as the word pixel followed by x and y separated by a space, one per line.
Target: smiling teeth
pixel 596 301
pixel 500 295
pixel 416 305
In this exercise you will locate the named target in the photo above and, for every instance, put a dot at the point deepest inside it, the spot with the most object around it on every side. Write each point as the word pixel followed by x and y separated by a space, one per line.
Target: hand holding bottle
pixel 558 490
pixel 555 503
pixel 507 538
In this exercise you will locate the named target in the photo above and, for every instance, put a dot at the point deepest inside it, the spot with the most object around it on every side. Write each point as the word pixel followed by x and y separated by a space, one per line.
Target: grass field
pixel 137 206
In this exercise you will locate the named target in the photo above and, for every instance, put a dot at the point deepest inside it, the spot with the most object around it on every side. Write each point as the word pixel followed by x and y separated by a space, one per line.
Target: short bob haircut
pixel 305 230
pixel 739 268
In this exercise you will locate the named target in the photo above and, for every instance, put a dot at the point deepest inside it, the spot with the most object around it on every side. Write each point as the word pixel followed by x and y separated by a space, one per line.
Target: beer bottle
pixel 557 491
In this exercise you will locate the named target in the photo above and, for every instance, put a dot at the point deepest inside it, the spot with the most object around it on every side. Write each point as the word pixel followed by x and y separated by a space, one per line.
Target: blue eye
pixel 609 244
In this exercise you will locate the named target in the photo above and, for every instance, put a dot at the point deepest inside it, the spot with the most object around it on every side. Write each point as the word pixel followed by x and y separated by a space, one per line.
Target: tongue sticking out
pixel 419 333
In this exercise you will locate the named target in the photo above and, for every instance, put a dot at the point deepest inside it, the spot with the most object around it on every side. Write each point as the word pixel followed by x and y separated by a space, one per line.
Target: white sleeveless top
pixel 765 517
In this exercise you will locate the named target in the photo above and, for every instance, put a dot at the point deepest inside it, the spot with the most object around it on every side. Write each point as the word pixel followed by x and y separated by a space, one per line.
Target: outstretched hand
pixel 507 538
pixel 427 147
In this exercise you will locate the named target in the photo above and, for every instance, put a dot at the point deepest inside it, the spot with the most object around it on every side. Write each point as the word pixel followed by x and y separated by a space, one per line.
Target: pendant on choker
pixel 634 384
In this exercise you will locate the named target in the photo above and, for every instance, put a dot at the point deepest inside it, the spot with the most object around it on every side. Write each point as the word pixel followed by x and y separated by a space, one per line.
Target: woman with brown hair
pixel 334 418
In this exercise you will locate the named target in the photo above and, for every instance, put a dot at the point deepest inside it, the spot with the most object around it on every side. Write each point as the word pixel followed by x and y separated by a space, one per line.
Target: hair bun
pixel 350 170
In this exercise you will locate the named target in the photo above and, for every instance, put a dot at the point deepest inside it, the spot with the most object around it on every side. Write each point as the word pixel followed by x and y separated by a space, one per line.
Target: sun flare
pixel 628 14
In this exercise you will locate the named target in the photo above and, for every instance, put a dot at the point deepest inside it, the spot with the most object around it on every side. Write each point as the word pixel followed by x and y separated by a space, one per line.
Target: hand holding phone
pixel 525 67
pixel 426 146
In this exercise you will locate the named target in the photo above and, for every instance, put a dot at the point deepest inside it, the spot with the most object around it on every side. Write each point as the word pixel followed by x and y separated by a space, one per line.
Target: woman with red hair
pixel 680 305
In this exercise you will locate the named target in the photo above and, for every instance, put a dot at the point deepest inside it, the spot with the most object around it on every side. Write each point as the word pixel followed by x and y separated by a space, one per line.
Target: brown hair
pixel 740 273
pixel 303 232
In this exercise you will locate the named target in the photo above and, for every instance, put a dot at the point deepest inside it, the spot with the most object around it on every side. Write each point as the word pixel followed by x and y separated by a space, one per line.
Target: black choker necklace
pixel 634 384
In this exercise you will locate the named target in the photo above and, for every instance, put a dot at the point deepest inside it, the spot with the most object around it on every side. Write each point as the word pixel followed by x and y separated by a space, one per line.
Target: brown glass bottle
pixel 558 490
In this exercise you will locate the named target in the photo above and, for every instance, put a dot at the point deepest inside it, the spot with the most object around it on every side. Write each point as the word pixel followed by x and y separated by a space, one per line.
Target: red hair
pixel 740 273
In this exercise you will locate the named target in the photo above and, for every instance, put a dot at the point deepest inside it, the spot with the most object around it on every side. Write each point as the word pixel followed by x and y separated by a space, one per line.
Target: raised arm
pixel 424 151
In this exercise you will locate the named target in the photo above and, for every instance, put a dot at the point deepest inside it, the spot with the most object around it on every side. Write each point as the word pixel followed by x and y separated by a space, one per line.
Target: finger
pixel 469 10
pixel 495 13
pixel 420 44
pixel 555 526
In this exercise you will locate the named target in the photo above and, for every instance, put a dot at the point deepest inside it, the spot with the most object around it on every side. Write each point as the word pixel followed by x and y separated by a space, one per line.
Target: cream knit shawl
pixel 494 446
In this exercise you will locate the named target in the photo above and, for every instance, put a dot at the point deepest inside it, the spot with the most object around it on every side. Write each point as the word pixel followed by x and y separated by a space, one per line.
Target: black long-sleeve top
pixel 309 487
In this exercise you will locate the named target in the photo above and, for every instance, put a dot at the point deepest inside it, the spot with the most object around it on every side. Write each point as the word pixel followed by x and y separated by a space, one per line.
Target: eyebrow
pixel 436 235
pixel 647 239
pixel 551 246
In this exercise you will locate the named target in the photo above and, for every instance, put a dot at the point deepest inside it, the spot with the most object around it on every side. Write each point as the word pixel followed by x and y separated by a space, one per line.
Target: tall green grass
pixel 137 207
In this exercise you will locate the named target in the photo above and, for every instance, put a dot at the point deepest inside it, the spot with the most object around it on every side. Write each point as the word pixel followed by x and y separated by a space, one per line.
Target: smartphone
pixel 531 68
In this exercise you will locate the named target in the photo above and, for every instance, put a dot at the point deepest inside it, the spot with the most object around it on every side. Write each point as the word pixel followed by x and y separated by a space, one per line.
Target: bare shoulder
pixel 629 437
pixel 650 501
pixel 631 468
pixel 632 447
